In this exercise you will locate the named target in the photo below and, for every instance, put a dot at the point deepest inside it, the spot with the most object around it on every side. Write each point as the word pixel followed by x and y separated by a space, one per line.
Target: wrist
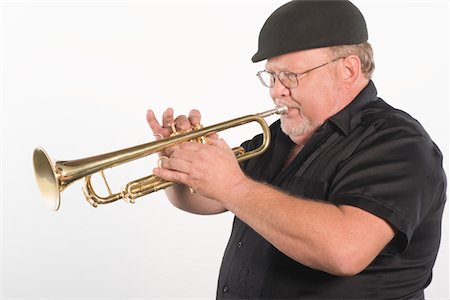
pixel 240 192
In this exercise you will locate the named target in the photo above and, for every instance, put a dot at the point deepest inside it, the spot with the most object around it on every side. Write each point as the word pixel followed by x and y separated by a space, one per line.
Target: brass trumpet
pixel 52 179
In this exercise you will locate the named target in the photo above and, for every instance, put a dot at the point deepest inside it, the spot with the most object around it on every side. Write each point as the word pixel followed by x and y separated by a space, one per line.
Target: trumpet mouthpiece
pixel 279 110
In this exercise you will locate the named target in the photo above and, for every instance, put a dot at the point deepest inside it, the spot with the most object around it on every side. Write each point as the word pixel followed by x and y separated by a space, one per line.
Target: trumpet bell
pixel 46 178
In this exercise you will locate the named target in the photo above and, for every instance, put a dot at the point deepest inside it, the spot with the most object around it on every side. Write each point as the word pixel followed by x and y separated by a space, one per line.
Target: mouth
pixel 291 106
pixel 292 110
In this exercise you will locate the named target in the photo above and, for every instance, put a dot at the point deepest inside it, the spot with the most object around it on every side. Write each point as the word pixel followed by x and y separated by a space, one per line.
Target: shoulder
pixel 382 116
pixel 386 124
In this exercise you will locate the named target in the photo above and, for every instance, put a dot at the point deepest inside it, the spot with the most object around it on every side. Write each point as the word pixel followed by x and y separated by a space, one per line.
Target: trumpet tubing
pixel 52 179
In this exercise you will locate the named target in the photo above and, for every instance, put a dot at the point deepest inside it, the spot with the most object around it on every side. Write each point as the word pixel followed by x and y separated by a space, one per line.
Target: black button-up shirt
pixel 368 155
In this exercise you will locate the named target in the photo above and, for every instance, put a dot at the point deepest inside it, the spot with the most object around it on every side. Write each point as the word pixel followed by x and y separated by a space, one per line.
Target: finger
pixel 170 150
pixel 152 122
pixel 194 117
pixel 175 164
pixel 167 118
pixel 213 135
pixel 189 149
pixel 177 169
pixel 161 159
pixel 170 175
pixel 159 132
pixel 182 122
pixel 218 142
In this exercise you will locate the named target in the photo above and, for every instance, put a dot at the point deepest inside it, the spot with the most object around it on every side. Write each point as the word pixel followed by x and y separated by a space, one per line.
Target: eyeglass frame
pixel 297 75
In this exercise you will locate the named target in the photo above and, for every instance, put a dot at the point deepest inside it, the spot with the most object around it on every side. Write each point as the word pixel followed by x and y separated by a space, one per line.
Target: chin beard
pixel 304 127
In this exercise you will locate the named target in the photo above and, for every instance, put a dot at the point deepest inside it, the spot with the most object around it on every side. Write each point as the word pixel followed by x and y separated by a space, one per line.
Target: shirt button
pixel 225 289
pixel 240 244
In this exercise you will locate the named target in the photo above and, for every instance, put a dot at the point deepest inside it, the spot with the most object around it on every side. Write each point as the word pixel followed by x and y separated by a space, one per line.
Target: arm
pixel 180 195
pixel 340 240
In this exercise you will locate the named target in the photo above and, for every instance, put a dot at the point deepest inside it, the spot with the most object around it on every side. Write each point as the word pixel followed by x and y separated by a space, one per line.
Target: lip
pixel 291 106
pixel 292 110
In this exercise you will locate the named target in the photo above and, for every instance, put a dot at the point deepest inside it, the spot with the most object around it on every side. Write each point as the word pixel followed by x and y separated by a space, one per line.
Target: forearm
pixel 181 197
pixel 316 234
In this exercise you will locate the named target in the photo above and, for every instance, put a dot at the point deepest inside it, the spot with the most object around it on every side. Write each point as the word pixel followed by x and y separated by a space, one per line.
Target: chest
pixel 306 171
pixel 292 154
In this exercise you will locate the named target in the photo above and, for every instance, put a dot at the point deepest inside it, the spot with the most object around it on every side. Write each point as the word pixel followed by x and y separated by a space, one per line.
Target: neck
pixel 300 140
pixel 292 154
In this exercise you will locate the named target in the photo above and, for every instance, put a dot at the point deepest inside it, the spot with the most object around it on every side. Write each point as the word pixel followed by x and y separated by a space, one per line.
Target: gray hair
pixel 363 51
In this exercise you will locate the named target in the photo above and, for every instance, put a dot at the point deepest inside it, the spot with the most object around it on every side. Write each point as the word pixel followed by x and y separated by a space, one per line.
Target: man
pixel 347 201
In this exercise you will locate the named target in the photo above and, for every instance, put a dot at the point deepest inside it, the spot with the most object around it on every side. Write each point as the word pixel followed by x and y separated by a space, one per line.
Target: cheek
pixel 318 106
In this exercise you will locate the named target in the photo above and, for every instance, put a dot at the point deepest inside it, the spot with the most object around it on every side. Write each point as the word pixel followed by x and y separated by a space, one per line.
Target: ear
pixel 352 70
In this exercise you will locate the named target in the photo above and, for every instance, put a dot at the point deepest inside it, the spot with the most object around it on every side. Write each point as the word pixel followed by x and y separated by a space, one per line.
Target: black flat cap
pixel 300 25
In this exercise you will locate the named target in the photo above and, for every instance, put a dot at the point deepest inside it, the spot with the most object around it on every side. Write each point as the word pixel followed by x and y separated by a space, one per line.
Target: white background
pixel 77 78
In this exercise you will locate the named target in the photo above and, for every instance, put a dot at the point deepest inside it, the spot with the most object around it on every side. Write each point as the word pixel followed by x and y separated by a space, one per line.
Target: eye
pixel 291 77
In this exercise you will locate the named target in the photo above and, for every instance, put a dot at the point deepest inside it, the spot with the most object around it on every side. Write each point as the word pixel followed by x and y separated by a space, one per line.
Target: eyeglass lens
pixel 288 79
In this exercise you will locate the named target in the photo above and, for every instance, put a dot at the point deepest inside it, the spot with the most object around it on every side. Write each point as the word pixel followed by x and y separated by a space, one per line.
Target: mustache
pixel 289 104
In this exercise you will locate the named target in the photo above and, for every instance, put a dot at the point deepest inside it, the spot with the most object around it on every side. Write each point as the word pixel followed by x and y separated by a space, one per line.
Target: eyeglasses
pixel 287 78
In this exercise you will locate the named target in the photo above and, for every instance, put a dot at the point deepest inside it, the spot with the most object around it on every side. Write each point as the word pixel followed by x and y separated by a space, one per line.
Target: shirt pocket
pixel 307 188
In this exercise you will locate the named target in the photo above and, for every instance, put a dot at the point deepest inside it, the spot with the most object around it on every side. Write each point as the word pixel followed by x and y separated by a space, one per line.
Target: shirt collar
pixel 344 118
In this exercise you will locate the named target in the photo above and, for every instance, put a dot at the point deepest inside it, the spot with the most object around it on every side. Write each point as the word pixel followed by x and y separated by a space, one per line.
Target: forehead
pixel 297 61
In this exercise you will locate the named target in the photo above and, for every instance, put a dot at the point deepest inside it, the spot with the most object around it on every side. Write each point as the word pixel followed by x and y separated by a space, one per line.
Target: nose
pixel 279 90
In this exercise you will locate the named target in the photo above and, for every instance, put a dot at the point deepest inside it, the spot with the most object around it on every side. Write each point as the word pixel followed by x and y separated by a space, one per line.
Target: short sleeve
pixel 396 174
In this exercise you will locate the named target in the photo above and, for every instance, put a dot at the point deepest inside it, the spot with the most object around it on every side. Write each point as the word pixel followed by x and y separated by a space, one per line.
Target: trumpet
pixel 53 178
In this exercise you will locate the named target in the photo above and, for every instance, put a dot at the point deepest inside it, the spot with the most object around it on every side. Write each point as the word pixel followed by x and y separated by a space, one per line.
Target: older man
pixel 347 201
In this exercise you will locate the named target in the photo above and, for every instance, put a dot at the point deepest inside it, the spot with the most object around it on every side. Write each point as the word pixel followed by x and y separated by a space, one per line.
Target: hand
pixel 164 129
pixel 209 169
pixel 181 122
